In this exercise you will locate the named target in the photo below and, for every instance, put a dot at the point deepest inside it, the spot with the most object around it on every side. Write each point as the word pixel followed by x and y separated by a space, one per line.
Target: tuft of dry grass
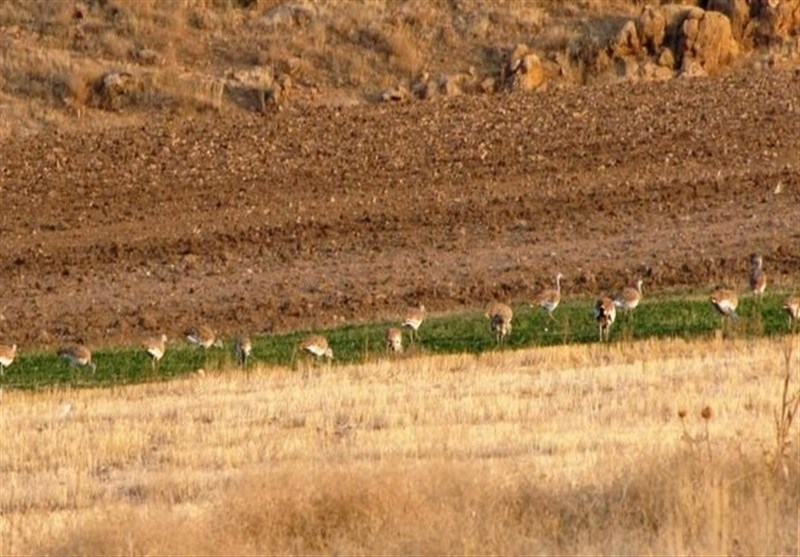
pixel 562 450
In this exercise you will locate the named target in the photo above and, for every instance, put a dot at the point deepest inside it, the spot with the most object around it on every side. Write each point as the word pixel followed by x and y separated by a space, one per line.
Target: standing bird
pixel 394 340
pixel 413 320
pixel 78 356
pixel 7 355
pixel 792 307
pixel 155 347
pixel 758 279
pixel 550 298
pixel 629 298
pixel 243 349
pixel 203 336
pixel 500 316
pixel 605 311
pixel 318 346
pixel 726 302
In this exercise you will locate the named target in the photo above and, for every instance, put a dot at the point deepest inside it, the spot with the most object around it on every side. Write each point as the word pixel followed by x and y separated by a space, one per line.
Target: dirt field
pixel 309 218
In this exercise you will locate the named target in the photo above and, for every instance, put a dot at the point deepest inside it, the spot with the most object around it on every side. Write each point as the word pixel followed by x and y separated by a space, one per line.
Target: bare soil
pixel 311 217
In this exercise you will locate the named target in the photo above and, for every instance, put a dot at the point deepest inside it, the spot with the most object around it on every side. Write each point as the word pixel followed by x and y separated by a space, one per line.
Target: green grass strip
pixel 454 333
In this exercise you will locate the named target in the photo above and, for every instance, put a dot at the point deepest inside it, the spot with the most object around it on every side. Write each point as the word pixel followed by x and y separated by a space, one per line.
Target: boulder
pixel 737 11
pixel 626 42
pixel 706 40
pixel 773 21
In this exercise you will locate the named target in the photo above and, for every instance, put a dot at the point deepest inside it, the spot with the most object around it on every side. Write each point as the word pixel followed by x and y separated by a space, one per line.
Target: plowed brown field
pixel 311 217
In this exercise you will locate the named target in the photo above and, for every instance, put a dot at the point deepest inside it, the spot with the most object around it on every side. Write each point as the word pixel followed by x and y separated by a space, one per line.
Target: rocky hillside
pixel 82 64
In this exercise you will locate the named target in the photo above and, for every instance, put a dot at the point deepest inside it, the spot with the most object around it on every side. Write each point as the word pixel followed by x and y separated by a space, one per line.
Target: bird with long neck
pixel 413 320
pixel 550 298
pixel 629 298
pixel 758 279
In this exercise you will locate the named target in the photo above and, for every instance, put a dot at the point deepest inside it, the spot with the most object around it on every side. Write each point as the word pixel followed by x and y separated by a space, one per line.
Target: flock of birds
pixel 499 314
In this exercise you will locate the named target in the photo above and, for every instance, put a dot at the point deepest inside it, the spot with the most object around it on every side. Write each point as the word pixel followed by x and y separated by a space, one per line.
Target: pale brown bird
pixel 78 356
pixel 394 340
pixel 726 303
pixel 629 298
pixel 606 313
pixel 500 316
pixel 792 308
pixel 413 320
pixel 155 347
pixel 203 336
pixel 243 349
pixel 758 279
pixel 7 355
pixel 318 346
pixel 550 298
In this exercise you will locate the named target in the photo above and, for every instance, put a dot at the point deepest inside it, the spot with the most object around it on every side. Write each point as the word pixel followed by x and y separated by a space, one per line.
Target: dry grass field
pixel 567 450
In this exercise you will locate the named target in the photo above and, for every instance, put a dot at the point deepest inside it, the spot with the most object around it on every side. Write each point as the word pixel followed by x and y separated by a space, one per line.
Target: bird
pixel 726 302
pixel 317 345
pixel 7 355
pixel 629 298
pixel 758 279
pixel 78 356
pixel 792 307
pixel 606 313
pixel 203 336
pixel 500 316
pixel 155 347
pixel 394 340
pixel 243 349
pixel 413 320
pixel 550 298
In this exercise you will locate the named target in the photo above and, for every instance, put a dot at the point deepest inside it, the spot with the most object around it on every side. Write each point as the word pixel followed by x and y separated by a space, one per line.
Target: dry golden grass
pixel 561 451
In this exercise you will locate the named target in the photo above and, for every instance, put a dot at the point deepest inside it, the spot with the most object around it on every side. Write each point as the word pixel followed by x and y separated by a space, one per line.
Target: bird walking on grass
pixel 605 312
pixel 792 308
pixel 550 298
pixel 243 350
pixel 758 279
pixel 629 298
pixel 203 336
pixel 726 302
pixel 78 356
pixel 318 346
pixel 155 348
pixel 7 355
pixel 500 316
pixel 413 320
pixel 394 340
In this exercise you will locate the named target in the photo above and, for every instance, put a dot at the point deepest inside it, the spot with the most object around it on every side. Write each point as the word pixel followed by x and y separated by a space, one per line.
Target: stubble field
pixel 561 450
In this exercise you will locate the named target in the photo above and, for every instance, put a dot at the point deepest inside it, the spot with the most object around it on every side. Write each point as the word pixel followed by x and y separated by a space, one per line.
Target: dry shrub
pixel 404 52
pixel 682 504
